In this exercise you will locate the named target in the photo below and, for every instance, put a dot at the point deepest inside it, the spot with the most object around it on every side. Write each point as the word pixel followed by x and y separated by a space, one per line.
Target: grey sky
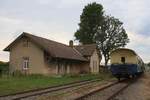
pixel 58 20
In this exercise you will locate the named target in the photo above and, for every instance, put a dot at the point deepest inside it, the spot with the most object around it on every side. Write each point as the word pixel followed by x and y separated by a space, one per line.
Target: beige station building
pixel 31 54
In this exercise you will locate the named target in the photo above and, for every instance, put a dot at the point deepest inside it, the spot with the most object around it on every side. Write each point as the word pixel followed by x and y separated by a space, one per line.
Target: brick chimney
pixel 71 43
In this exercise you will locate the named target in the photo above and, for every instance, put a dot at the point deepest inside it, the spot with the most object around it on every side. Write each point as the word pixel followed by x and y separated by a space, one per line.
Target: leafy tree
pixel 4 66
pixel 110 35
pixel 106 31
pixel 90 19
pixel 148 64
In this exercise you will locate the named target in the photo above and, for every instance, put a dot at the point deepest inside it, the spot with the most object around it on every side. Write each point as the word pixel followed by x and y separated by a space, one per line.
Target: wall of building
pixel 95 62
pixel 115 57
pixel 37 62
pixel 82 67
pixel 51 68
pixel 35 54
pixel 69 67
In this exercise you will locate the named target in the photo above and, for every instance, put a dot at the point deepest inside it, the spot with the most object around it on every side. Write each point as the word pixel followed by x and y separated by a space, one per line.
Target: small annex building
pixel 31 54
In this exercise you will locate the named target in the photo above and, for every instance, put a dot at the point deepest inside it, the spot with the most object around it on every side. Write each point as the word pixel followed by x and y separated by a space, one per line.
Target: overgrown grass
pixel 13 84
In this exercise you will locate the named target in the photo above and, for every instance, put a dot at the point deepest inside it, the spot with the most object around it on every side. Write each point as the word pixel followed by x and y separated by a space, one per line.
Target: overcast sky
pixel 58 20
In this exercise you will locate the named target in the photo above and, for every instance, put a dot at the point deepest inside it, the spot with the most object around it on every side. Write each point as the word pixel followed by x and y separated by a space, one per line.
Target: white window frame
pixel 25 63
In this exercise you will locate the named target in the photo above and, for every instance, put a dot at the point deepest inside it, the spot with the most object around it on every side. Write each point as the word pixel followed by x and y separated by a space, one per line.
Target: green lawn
pixel 17 84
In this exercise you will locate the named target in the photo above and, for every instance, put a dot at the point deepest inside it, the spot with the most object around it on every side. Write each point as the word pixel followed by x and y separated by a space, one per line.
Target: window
pixel 25 63
pixel 94 66
pixel 25 43
pixel 123 59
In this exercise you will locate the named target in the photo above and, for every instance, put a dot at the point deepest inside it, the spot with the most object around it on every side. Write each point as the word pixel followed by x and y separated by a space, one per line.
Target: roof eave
pixel 9 46
pixel 6 49
pixel 83 60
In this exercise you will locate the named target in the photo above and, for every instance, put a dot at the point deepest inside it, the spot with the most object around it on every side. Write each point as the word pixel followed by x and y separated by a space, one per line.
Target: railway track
pixel 107 92
pixel 30 93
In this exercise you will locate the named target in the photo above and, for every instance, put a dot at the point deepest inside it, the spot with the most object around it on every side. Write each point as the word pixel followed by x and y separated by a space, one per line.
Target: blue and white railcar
pixel 125 63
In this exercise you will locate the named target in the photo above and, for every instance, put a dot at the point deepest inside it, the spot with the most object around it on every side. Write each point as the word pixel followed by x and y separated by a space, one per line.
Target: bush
pixel 4 68
pixel 17 73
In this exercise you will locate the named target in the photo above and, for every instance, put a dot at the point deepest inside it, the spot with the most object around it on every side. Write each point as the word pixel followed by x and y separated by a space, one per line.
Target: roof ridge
pixel 85 44
pixel 44 38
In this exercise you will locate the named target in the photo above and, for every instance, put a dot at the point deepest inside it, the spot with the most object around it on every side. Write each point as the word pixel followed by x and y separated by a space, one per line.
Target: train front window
pixel 123 59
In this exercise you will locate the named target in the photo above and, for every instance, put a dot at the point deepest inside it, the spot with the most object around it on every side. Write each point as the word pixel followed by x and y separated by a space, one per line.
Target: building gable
pixel 54 49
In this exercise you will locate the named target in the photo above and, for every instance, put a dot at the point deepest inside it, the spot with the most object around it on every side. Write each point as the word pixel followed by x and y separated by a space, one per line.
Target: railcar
pixel 125 63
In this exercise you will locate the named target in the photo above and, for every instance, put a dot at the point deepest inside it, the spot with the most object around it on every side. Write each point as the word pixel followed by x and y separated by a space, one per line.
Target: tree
pixel 4 67
pixel 110 35
pixel 148 64
pixel 90 19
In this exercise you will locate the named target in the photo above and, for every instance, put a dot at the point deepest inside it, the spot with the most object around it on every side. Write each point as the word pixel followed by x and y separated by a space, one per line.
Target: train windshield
pixel 123 59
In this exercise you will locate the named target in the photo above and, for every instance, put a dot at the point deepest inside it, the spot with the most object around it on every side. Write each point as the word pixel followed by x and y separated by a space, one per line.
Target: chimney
pixel 71 43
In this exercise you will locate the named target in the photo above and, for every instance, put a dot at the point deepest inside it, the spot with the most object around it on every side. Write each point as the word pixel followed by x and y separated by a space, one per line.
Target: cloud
pixel 4 56
pixel 140 43
pixel 139 39
pixel 133 13
pixel 12 28
pixel 58 20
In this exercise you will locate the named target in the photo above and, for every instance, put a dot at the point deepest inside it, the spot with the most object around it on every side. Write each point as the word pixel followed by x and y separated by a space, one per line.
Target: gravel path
pixel 140 90
pixel 70 94
pixel 106 93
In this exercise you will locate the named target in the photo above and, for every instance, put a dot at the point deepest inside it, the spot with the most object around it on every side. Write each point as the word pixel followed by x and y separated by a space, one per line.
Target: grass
pixel 15 84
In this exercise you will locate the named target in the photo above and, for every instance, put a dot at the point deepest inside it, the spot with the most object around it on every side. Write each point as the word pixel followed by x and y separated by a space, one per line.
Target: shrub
pixel 17 73
pixel 4 68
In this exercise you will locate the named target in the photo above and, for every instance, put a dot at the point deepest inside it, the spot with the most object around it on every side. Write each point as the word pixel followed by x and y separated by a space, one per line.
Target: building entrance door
pixel 62 69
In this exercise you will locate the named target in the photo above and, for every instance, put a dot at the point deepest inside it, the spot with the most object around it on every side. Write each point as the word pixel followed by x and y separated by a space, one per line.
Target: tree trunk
pixel 106 62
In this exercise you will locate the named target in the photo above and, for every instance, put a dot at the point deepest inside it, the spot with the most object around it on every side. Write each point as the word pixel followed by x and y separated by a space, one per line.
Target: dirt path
pixel 137 91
